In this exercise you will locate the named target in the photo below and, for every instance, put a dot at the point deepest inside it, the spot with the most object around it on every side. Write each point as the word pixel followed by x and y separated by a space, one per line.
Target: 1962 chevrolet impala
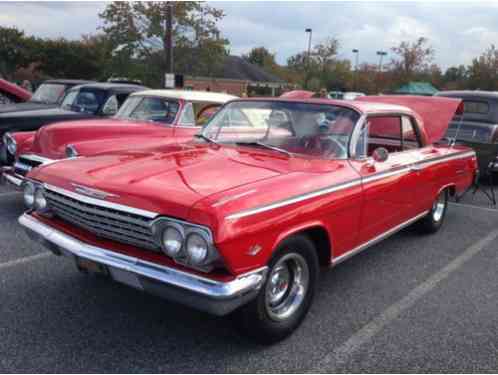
pixel 146 119
pixel 242 218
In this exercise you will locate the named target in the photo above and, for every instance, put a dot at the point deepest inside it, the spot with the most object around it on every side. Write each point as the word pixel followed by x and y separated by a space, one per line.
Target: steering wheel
pixel 324 146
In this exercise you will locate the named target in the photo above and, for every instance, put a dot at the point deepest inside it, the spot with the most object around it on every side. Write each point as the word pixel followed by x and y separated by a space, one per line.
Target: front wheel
pixel 434 219
pixel 286 296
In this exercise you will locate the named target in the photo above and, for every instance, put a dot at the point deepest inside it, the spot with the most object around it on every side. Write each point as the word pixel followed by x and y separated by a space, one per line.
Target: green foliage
pixel 12 50
pixel 260 56
pixel 141 28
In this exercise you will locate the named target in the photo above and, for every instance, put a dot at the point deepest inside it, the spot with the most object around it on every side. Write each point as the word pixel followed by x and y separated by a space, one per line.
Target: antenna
pixel 459 111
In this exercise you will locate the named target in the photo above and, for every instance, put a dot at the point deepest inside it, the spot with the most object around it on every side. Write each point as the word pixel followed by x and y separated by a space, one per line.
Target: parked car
pixel 352 95
pixel 336 95
pixel 298 94
pixel 48 95
pixel 80 102
pixel 477 126
pixel 147 118
pixel 11 93
pixel 241 218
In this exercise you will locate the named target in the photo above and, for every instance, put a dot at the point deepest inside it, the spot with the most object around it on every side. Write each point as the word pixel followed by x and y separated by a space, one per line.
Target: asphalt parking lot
pixel 409 304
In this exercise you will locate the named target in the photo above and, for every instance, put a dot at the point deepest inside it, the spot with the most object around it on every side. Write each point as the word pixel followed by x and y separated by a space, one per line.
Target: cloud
pixel 459 31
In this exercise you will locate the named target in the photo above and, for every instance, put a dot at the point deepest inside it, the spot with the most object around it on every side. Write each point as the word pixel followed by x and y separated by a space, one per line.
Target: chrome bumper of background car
pixel 215 297
pixel 7 175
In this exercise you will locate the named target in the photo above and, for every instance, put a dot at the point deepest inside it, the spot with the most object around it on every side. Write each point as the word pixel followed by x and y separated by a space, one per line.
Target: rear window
pixel 475 107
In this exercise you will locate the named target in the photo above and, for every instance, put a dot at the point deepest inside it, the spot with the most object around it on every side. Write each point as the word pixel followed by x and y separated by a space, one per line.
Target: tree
pixel 412 58
pixel 12 50
pixel 483 72
pixel 260 56
pixel 141 27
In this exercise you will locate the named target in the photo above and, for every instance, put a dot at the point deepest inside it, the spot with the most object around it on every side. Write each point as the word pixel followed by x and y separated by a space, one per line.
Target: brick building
pixel 238 77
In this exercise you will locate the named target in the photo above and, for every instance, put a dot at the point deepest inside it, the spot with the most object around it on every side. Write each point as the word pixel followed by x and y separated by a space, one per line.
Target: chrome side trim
pixel 200 285
pixel 377 239
pixel 36 158
pixel 439 159
pixel 101 203
pixel 295 199
pixel 346 185
pixel 14 180
pixel 385 174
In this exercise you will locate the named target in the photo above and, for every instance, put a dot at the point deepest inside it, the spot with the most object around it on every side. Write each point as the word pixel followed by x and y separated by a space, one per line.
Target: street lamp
pixel 381 55
pixel 310 31
pixel 357 53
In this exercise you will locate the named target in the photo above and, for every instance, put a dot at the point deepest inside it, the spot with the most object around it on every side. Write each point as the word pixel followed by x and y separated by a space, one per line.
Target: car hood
pixel 41 112
pixel 168 179
pixel 21 107
pixel 89 135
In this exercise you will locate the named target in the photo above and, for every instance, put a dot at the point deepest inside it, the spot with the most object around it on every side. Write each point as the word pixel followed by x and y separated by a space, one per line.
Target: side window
pixel 87 101
pixel 384 131
pixel 188 116
pixel 111 106
pixel 410 136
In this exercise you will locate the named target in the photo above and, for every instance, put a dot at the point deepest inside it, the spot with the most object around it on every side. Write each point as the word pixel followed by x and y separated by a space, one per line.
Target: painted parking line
pixel 342 354
pixel 24 260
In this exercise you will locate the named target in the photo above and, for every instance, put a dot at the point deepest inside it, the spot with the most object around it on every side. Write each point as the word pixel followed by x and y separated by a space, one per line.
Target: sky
pixel 458 31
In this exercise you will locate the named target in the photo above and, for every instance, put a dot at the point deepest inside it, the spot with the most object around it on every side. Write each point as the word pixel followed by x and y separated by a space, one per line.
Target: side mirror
pixel 380 155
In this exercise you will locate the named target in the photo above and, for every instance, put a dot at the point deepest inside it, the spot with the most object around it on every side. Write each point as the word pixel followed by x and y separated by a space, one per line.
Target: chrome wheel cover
pixel 286 287
pixel 439 206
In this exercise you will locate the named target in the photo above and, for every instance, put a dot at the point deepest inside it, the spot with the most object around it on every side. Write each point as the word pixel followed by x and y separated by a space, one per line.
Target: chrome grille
pixel 104 222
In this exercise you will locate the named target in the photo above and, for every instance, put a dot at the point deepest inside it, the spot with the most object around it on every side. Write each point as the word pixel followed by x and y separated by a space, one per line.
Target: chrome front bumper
pixel 215 297
pixel 7 176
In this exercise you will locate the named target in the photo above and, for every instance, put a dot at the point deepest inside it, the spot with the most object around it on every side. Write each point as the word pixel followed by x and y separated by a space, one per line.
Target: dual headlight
pixel 34 197
pixel 186 244
pixel 10 144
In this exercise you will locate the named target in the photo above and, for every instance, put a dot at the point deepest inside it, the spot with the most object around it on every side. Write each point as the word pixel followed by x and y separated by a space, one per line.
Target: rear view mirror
pixel 380 155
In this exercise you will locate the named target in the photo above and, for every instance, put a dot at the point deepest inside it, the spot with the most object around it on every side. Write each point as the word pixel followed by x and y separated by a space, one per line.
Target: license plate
pixel 91 266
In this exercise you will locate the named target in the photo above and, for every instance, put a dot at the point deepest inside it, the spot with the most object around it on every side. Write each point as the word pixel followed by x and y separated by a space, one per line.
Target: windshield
pixel 296 128
pixel 81 101
pixel 149 109
pixel 50 93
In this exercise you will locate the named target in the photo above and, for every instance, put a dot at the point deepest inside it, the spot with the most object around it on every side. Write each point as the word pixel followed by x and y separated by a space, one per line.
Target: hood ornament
pixel 94 193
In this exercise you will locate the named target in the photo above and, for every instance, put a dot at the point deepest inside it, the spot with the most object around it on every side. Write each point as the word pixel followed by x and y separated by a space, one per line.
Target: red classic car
pixel 240 219
pixel 146 118
pixel 11 93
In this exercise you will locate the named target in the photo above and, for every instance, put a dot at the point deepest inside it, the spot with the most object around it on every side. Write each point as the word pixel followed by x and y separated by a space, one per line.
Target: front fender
pixel 24 141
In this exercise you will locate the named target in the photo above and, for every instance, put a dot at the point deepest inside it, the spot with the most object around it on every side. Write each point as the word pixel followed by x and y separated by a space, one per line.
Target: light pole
pixel 310 31
pixel 357 53
pixel 381 55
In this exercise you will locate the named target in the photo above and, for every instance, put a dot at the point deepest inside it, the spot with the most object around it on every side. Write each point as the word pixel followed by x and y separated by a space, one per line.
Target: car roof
pixel 364 107
pixel 189 95
pixel 68 81
pixel 112 86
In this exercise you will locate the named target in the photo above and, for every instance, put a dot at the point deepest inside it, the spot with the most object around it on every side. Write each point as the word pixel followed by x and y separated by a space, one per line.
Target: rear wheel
pixel 286 296
pixel 434 219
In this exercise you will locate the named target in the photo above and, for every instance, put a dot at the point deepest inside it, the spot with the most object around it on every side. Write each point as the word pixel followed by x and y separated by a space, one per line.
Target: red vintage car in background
pixel 12 93
pixel 147 118
pixel 241 218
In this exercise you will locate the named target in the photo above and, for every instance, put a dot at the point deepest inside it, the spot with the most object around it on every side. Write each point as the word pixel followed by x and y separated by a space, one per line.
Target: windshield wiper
pixel 207 139
pixel 261 144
